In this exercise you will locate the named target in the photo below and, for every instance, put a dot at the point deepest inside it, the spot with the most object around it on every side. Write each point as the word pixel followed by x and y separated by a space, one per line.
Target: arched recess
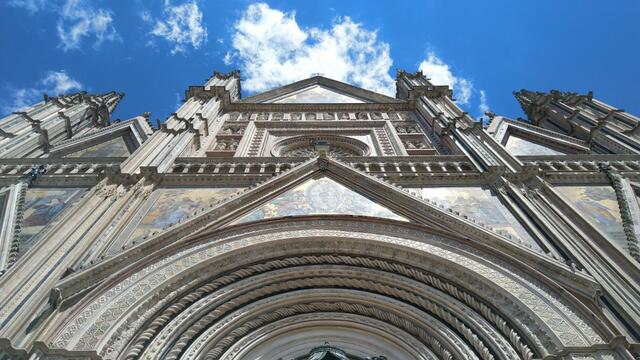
pixel 304 146
pixel 232 293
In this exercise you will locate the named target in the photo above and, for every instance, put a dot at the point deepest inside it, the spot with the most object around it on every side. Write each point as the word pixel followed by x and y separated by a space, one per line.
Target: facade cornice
pixel 278 107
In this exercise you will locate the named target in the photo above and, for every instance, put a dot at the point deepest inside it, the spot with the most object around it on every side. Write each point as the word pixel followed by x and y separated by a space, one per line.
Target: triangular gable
pixel 312 87
pixel 315 94
pixel 319 196
pixel 120 146
pixel 117 140
pixel 523 139
pixel 416 209
pixel 519 146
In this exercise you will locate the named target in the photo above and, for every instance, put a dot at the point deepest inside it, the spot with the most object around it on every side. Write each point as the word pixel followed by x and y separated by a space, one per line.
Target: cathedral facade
pixel 320 221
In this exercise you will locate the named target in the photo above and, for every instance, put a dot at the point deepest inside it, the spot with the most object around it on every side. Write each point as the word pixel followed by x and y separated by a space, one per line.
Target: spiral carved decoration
pixel 475 328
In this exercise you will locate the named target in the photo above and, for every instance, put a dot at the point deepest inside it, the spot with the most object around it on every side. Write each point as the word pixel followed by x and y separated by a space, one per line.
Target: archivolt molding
pixel 349 329
pixel 360 273
pixel 524 299
pixel 296 278
pixel 210 346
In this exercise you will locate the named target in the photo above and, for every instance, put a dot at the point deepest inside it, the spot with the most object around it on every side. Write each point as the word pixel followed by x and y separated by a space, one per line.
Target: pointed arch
pixel 206 297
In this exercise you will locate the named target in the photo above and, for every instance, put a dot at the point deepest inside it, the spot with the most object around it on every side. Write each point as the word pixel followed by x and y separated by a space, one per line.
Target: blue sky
pixel 153 50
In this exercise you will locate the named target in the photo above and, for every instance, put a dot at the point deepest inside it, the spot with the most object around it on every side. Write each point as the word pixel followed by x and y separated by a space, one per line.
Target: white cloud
pixel 78 19
pixel 228 58
pixel 463 89
pixel 440 74
pixel 33 6
pixel 483 106
pixel 59 82
pixel 179 101
pixel 182 26
pixel 145 15
pixel 274 50
pixel 52 83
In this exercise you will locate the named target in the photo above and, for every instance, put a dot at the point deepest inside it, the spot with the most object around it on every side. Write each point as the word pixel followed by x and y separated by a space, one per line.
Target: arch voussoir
pixel 443 282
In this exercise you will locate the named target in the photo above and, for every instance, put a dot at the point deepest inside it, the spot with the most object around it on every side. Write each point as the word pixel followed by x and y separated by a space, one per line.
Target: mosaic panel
pixel 319 196
pixel 41 206
pixel 317 94
pixel 599 205
pixel 479 204
pixel 173 205
pixel 518 146
pixel 116 147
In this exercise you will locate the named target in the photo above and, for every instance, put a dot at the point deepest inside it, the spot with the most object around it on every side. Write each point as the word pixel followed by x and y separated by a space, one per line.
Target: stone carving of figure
pixel 310 116
pixel 262 116
pixel 221 145
pixel 278 116
pixel 233 145
pixel 328 116
pixel 375 115
pixel 344 116
pixel 228 131
pixel 362 116
pixel 401 130
pixel 240 131
pixel 296 116
pixel 410 145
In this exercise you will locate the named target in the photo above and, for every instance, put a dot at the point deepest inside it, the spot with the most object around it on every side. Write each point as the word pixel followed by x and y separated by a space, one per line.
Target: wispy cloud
pixel 272 50
pixel 77 20
pixel 181 25
pixel 33 6
pixel 52 83
pixel 464 91
pixel 483 106
pixel 440 74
